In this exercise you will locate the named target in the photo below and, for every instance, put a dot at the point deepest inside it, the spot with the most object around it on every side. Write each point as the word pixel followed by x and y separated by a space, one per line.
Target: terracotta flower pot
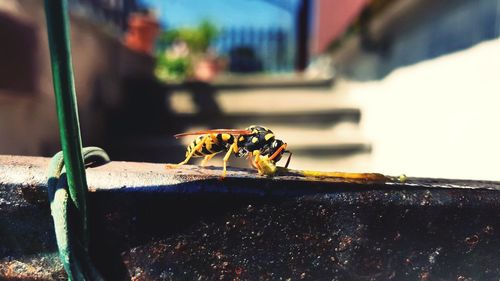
pixel 206 69
pixel 142 33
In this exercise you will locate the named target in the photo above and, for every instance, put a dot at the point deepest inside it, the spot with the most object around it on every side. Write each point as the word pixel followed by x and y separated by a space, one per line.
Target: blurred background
pixel 390 86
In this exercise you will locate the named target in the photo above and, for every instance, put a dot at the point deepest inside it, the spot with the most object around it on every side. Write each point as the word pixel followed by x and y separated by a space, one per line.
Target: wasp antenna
pixel 289 157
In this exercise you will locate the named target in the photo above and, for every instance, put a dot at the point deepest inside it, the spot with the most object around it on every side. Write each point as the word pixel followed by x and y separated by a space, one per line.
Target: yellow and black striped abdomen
pixel 212 144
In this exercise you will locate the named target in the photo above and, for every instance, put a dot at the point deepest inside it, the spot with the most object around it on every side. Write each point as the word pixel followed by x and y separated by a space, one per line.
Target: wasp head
pixel 276 150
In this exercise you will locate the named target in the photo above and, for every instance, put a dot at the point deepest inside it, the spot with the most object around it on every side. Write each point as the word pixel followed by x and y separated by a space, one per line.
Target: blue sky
pixel 238 13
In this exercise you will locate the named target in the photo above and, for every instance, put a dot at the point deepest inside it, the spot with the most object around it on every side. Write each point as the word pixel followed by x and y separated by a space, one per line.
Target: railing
pixel 256 49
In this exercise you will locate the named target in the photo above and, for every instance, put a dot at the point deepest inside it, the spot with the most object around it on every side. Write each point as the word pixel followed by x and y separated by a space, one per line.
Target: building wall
pixel 28 123
pixel 417 30
pixel 453 26
pixel 331 19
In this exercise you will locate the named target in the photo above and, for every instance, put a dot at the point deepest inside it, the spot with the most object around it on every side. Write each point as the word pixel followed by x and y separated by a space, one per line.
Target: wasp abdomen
pixel 212 144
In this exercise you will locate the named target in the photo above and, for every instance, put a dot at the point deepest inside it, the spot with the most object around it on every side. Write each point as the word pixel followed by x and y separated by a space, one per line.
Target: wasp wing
pixel 215 131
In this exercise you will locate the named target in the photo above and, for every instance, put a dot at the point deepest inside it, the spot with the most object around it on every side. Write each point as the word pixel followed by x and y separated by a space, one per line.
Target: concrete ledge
pixel 148 223
pixel 23 171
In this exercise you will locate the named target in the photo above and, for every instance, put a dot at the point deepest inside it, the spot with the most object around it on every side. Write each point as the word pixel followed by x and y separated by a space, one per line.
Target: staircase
pixel 320 126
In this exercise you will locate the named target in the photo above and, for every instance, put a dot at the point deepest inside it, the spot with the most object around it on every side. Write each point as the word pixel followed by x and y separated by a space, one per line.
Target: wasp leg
pixel 197 147
pixel 206 159
pixel 234 147
pixel 256 164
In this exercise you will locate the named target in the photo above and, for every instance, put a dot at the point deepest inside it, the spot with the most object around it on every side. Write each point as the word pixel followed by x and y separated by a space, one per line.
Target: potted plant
pixel 186 54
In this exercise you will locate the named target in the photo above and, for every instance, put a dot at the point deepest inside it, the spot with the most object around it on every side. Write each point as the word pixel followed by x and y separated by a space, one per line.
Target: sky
pixel 224 13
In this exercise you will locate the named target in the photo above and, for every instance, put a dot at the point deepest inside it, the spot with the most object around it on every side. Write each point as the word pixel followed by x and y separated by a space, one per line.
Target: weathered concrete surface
pixel 149 223
pixel 27 242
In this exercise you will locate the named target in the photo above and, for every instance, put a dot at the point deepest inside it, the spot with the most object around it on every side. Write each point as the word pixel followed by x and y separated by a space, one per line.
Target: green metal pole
pixel 69 211
pixel 64 89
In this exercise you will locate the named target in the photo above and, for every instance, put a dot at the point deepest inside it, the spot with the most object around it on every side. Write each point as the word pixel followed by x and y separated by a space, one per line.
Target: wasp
pixel 255 143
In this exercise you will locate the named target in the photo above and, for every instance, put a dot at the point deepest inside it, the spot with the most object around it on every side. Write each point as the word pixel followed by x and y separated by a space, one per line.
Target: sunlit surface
pixel 438 118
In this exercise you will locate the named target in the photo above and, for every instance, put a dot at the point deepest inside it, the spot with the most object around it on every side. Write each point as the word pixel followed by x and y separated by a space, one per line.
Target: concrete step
pixel 316 119
pixel 259 101
pixel 321 128
pixel 282 101
pixel 237 82
pixel 316 107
